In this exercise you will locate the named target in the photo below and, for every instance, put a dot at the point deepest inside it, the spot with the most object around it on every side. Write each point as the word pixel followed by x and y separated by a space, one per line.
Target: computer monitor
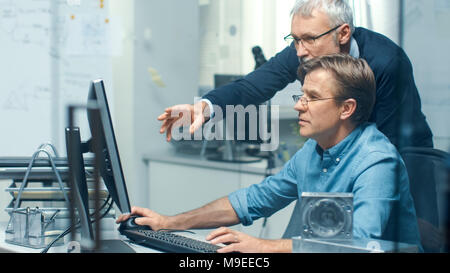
pixel 77 173
pixel 104 145
pixel 111 167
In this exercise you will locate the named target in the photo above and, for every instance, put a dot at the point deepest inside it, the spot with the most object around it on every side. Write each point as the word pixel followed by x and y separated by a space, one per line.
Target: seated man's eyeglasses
pixel 304 101
pixel 307 41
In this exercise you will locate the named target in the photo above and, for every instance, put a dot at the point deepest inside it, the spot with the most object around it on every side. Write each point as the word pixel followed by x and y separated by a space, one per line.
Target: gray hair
pixel 338 11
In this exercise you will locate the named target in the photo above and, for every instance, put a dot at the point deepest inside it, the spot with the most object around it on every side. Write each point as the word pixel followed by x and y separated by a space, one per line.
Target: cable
pixel 77 225
pixel 64 233
pixel 107 210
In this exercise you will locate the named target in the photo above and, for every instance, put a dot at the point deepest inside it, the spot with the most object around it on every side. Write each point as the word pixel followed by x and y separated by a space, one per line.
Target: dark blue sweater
pixel 397 98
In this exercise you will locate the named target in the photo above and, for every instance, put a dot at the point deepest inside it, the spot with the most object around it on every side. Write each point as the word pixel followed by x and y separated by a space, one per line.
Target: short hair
pixel 338 11
pixel 354 78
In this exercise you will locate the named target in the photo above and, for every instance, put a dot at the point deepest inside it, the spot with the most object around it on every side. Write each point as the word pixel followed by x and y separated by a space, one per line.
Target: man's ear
pixel 344 34
pixel 348 108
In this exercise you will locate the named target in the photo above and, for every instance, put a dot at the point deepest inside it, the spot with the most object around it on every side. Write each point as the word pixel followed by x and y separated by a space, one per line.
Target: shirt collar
pixel 354 49
pixel 338 151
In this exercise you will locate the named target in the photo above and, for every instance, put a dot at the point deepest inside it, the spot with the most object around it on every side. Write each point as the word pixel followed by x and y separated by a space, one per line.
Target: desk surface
pixel 108 235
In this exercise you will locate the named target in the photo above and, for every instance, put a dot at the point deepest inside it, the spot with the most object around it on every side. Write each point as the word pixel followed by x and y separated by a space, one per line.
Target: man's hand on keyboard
pixel 240 242
pixel 146 217
pixel 236 241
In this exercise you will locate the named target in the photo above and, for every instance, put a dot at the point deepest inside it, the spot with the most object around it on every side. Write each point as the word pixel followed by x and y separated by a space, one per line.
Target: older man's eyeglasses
pixel 307 41
pixel 304 101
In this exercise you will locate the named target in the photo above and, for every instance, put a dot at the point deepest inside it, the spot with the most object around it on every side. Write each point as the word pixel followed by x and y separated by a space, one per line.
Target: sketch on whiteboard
pixel 26 25
pixel 16 101
pixel 23 97
pixel 88 35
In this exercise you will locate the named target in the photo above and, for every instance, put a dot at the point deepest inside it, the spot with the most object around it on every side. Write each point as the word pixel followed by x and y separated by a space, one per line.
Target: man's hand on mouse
pixel 146 217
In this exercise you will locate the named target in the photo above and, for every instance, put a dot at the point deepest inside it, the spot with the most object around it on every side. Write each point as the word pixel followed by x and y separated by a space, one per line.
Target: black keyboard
pixel 169 242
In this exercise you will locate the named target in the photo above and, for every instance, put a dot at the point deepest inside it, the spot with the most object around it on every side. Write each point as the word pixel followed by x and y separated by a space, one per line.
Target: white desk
pixel 107 235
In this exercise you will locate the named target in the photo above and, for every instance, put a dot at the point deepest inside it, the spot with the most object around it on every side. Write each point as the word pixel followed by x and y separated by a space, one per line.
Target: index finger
pixel 140 211
pixel 164 116
pixel 166 113
pixel 218 232
pixel 123 217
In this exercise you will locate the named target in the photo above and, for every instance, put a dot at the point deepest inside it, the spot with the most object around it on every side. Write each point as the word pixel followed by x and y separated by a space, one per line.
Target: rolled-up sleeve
pixel 238 200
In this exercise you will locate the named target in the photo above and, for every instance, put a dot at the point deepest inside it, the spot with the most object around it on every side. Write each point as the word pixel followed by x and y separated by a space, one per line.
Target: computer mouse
pixel 130 224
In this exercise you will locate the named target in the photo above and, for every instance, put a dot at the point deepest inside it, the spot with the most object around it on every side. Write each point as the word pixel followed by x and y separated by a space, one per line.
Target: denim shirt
pixel 364 163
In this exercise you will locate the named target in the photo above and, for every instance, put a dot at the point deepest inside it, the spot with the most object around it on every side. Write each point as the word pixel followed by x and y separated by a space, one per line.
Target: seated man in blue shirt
pixel 344 153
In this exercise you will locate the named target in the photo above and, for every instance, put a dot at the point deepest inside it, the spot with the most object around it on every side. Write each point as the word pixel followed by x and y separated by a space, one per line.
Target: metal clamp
pixel 31 227
pixel 41 149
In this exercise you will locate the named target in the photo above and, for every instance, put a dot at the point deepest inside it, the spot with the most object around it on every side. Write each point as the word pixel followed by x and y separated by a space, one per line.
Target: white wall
pixel 162 35
pixel 382 16
pixel 123 74
pixel 220 37
pixel 426 41
pixel 257 22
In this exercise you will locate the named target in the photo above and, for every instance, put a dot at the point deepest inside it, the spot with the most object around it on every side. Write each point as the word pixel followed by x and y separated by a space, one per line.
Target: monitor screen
pixel 111 167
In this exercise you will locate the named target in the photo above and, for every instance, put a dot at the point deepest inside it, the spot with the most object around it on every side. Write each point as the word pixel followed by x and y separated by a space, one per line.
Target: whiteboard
pixel 49 52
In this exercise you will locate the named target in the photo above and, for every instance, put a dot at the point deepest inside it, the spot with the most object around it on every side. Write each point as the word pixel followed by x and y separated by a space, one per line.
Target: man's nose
pixel 301 50
pixel 299 107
